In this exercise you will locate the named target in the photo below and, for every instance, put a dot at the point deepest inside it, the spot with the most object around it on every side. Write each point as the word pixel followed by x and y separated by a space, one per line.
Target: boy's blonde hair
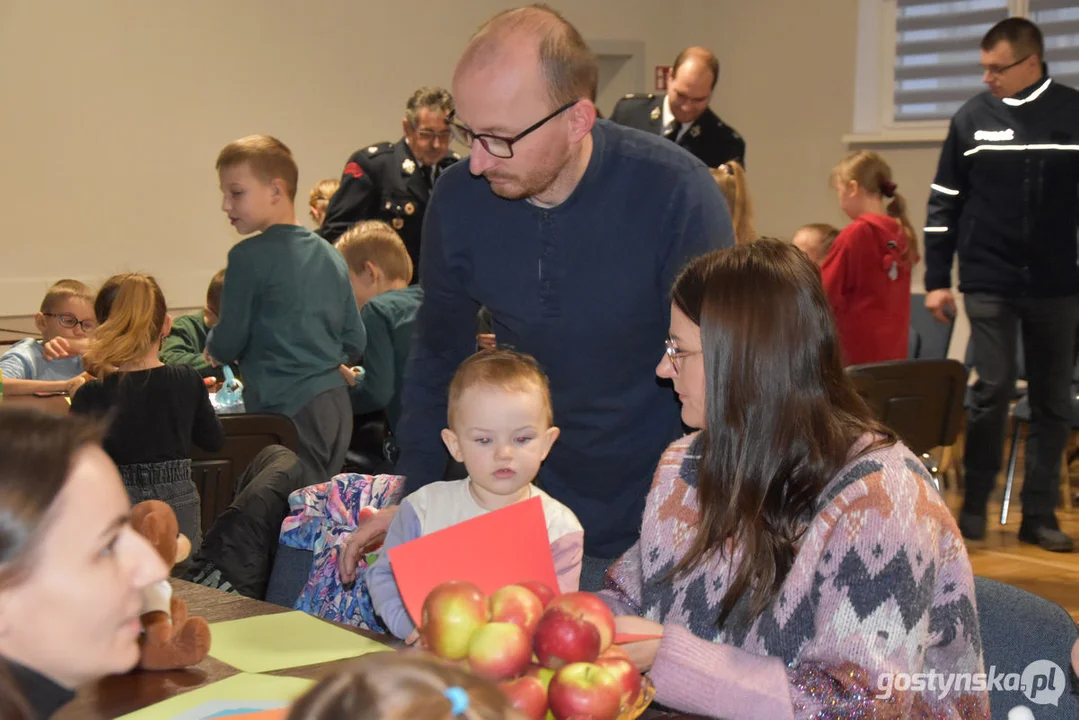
pixel 131 323
pixel 269 160
pixel 731 178
pixel 501 369
pixel 402 686
pixel 825 231
pixel 62 290
pixel 874 175
pixel 213 292
pixel 375 242
pixel 322 192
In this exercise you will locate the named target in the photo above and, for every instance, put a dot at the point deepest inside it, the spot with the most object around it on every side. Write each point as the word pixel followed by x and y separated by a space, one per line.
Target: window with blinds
pixel 937 54
pixel 1059 23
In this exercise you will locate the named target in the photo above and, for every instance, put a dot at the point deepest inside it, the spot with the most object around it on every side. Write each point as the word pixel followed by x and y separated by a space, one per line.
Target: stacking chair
pixel 929 338
pixel 921 400
pixel 216 474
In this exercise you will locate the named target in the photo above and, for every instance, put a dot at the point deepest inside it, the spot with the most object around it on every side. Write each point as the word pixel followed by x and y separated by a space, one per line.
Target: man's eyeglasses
pixel 674 353
pixel 69 321
pixel 998 70
pixel 431 135
pixel 500 147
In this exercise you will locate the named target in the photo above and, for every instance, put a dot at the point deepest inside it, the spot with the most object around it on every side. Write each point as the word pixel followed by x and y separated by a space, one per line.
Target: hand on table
pixel 642 652
pixel 368 533
pixel 75 383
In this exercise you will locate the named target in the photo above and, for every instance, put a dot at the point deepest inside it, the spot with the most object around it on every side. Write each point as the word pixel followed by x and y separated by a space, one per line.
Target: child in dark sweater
pixel 156 411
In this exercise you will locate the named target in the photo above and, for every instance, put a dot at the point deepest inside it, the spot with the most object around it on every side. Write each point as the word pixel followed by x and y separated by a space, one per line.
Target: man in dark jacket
pixel 1005 198
pixel 683 115
pixel 392 181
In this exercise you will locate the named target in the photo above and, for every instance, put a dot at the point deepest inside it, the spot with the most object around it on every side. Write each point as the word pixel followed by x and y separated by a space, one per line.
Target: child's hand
pixel 75 383
pixel 347 374
pixel 60 347
pixel 413 637
pixel 486 341
pixel 369 533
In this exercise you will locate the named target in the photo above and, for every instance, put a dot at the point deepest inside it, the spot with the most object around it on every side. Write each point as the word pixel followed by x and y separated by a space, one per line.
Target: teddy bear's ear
pixel 155 529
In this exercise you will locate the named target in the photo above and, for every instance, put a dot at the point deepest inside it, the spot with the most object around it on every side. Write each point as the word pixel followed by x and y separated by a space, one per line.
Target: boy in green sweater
pixel 186 342
pixel 380 271
pixel 287 312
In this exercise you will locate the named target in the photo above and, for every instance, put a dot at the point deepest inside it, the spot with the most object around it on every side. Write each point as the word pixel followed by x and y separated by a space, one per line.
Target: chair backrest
pixel 1019 628
pixel 929 338
pixel 216 474
pixel 921 400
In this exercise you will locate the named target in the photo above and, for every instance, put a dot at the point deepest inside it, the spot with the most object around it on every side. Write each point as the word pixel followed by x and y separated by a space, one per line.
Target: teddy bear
pixel 170 638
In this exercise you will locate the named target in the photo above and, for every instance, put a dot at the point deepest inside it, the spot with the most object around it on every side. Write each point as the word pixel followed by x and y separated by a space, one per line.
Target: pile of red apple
pixel 552 656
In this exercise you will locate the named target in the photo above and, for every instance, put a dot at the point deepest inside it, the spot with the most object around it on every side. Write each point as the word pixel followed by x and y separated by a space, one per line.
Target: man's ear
pixel 548 437
pixel 453 444
pixel 582 117
pixel 406 127
pixel 39 322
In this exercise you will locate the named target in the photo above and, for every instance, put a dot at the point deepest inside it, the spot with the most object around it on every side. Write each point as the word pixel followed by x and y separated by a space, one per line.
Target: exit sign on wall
pixel 662 73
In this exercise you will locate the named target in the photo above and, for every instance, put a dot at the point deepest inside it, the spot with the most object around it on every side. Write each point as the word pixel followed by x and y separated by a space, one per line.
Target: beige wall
pixel 113 113
pixel 115 110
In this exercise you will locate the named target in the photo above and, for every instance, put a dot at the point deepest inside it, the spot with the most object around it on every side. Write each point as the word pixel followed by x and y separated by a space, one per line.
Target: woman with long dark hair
pixel 72 569
pixel 794 556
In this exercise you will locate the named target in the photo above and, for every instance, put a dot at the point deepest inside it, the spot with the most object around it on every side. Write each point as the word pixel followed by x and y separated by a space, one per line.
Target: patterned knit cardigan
pixel 881 586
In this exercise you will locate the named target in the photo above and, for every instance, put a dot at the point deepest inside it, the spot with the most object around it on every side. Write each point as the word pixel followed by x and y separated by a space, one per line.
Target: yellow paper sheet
pixel 236 688
pixel 284 640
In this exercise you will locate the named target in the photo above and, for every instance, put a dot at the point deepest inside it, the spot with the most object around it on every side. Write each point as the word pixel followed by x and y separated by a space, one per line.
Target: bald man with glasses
pixel 570 230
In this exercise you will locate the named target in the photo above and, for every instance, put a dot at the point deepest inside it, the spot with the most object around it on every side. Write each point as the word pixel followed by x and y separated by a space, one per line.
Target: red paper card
pixel 623 638
pixel 498 548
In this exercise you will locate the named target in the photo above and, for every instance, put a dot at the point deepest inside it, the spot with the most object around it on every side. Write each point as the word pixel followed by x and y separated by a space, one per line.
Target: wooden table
pixel 56 404
pixel 122 694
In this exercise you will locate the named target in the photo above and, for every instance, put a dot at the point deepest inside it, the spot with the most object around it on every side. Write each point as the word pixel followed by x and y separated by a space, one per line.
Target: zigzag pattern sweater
pixel 881 585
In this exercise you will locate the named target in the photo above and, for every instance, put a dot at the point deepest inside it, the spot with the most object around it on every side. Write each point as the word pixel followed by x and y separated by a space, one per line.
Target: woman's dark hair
pixel 38 451
pixel 781 414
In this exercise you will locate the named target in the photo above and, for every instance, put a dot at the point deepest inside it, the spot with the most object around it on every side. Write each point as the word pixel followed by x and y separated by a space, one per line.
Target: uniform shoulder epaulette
pixel 379 149
pixel 639 96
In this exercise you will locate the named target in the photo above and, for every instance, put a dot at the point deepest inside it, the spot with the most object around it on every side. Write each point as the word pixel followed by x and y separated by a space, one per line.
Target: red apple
pixel 584 690
pixel 627 675
pixel 544 593
pixel 499 650
pixel 517 605
pixel 561 638
pixel 589 607
pixel 452 612
pixel 527 695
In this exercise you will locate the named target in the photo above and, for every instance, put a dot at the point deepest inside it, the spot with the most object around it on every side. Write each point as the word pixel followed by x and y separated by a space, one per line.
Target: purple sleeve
pixel 568 551
pixel 622 586
pixel 404 527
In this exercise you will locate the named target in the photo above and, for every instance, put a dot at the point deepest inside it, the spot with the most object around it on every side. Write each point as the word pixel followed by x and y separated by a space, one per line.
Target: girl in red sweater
pixel 867 271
